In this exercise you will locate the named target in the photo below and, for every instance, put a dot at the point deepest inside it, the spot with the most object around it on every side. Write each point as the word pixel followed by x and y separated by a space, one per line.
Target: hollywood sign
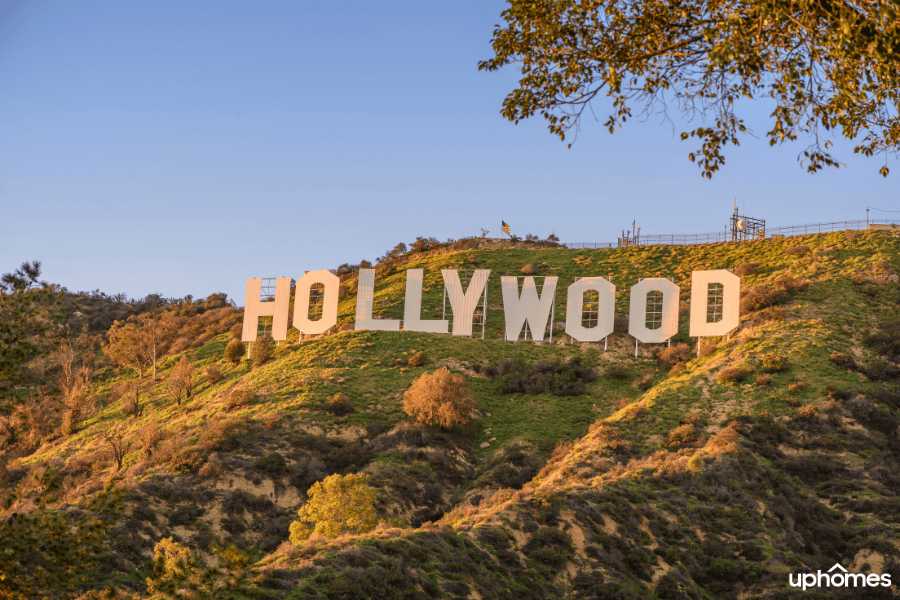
pixel 715 305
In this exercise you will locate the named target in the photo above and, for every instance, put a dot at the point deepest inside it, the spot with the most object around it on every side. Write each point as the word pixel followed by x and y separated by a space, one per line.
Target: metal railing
pixel 717 238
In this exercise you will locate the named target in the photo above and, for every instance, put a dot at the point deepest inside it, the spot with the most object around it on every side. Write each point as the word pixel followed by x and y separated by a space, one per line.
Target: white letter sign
pixel 715 302
pixel 412 309
pixel 606 308
pixel 463 304
pixel 529 307
pixel 667 317
pixel 278 310
pixel 302 321
pixel 364 297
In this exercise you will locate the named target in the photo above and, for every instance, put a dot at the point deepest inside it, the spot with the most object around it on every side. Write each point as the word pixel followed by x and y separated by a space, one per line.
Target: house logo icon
pixel 837 576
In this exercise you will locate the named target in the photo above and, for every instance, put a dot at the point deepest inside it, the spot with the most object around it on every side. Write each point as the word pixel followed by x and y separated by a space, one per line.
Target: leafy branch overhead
pixel 828 65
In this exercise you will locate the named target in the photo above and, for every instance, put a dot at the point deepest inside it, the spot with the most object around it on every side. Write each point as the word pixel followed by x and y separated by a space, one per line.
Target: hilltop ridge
pixel 672 475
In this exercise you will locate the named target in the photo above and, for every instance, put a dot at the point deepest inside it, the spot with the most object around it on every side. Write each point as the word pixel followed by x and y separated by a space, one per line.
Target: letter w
pixel 529 307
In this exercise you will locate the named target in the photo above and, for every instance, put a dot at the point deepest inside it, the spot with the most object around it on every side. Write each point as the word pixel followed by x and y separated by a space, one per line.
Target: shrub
pixel 616 371
pixel 683 436
pixel 807 413
pixel 341 504
pixel 261 350
pixel 239 397
pixel 774 363
pixel 679 353
pixel 791 285
pixel 645 384
pixel 772 314
pixel 473 259
pixel 440 398
pixel 882 266
pixel 234 351
pixel 529 269
pixel 188 460
pixel 886 340
pixel 677 369
pixel 797 387
pixel 417 359
pixel 560 378
pixel 222 434
pixel 764 381
pixel 214 373
pixel 746 268
pixel 843 361
pixel 733 374
pixel 338 404
pixel 708 346
pixel 758 298
pixel 797 250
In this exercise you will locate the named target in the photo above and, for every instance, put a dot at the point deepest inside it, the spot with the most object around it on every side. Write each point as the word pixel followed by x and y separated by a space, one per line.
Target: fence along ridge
pixel 714 238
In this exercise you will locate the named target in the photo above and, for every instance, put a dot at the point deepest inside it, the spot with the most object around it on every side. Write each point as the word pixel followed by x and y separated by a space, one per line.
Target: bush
pixel 733 374
pixel 261 350
pixel 679 353
pixel 644 384
pixel 239 397
pixel 774 363
pixel 791 285
pixel 440 398
pixel 746 268
pixel 560 378
pixel 234 351
pixel 473 259
pixel 758 298
pixel 807 413
pixel 683 436
pixel 677 369
pixel 797 387
pixel 214 373
pixel 772 314
pixel 341 504
pixel 417 359
pixel 843 361
pixel 764 381
pixel 529 269
pixel 338 404
pixel 797 250
pixel 616 371
pixel 188 460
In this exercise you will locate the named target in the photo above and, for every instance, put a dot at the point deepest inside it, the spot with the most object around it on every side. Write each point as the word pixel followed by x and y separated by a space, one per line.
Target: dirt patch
pixel 874 559
pixel 461 366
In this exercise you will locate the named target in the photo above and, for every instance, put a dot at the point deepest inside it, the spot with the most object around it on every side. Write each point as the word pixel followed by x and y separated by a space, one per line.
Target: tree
pixel 127 346
pixel 28 309
pixel 181 380
pixel 829 66
pixel 398 251
pixel 440 398
pixel 119 443
pixel 139 341
pixel 338 505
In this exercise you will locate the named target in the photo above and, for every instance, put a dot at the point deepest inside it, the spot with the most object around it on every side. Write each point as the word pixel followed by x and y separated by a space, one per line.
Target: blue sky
pixel 183 147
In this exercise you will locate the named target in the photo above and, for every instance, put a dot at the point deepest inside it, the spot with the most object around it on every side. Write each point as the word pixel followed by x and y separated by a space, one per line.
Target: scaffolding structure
pixel 746 228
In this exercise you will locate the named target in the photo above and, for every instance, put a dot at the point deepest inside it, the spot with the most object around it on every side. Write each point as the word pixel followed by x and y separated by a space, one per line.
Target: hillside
pixel 673 475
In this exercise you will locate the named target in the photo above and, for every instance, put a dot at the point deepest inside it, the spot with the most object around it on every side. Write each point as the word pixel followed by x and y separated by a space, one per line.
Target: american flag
pixel 504 227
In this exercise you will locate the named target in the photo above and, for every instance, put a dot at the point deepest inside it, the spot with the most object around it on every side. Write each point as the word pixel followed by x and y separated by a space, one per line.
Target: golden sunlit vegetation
pixel 491 469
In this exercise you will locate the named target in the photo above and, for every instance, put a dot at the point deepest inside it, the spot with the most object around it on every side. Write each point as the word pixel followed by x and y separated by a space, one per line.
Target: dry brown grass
pixel 797 387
